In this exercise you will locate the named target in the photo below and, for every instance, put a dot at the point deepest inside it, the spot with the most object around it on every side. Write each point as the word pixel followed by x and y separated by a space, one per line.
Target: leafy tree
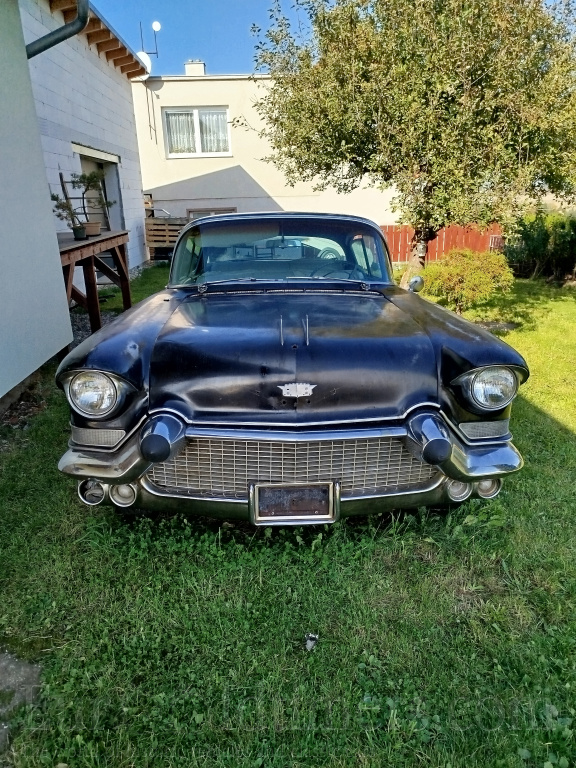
pixel 466 107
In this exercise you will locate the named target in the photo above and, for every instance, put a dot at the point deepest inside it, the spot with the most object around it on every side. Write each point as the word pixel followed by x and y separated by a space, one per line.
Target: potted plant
pixel 65 212
pixel 92 182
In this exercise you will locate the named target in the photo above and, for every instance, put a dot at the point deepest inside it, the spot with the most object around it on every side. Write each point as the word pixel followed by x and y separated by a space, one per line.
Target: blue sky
pixel 216 31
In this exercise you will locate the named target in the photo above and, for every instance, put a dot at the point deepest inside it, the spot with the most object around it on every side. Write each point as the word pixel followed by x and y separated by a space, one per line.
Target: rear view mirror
pixel 416 284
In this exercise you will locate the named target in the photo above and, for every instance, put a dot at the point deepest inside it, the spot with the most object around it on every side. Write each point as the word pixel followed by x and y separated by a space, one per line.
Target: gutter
pixel 62 33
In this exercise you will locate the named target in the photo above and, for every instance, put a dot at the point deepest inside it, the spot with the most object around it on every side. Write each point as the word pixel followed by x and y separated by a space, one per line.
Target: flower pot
pixel 79 233
pixel 92 228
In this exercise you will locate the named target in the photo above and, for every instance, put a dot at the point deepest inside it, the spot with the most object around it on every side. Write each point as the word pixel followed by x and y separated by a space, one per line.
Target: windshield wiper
pixel 288 278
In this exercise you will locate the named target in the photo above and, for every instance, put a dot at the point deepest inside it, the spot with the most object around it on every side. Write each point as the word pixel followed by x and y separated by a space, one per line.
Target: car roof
pixel 280 215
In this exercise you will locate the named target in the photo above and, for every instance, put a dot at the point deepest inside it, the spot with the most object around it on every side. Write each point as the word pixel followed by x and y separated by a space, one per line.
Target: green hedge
pixel 546 245
pixel 464 278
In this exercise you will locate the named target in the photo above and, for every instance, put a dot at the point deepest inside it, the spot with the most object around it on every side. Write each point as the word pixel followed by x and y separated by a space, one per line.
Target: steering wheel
pixel 329 253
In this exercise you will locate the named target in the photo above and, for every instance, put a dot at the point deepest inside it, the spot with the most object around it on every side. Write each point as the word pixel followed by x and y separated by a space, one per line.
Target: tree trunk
pixel 418 251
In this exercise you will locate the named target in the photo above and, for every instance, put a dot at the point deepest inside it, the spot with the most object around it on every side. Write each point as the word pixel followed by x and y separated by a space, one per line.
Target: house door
pixel 111 190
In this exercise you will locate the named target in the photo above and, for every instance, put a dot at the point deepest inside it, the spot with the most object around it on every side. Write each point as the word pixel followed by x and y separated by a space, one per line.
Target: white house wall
pixel 34 314
pixel 242 180
pixel 81 98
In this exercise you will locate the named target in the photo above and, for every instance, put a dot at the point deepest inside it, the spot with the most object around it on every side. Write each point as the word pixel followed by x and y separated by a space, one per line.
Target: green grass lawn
pixel 445 640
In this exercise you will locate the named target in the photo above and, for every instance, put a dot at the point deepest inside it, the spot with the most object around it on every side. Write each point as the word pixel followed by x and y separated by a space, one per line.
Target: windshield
pixel 280 249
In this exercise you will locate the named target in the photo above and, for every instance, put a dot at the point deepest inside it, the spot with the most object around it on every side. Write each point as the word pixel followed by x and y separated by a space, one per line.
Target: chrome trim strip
pixel 294 437
pixel 297 426
pixel 224 511
pixel 156 491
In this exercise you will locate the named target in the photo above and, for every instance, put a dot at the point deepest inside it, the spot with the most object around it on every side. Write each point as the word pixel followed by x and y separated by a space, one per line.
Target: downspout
pixel 62 33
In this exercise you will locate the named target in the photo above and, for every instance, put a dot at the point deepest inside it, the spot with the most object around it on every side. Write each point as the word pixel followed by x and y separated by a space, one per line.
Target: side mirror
pixel 416 284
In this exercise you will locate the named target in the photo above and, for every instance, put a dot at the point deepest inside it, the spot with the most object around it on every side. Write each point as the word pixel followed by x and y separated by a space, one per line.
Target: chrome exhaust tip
pixel 122 495
pixel 489 488
pixel 458 490
pixel 91 492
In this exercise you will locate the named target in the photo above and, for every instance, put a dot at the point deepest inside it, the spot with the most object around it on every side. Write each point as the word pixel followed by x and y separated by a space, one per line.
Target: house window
pixel 196 131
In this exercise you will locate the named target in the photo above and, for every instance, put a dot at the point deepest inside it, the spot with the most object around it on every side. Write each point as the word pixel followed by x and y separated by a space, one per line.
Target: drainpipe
pixel 62 33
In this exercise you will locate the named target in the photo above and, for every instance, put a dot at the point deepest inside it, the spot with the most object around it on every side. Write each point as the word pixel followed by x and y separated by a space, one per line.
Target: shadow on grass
pixel 523 306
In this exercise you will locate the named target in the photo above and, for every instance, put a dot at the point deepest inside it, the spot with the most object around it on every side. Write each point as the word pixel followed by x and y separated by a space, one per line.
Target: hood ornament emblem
pixel 296 390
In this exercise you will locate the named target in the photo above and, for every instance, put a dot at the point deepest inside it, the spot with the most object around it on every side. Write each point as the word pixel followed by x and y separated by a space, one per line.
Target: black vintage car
pixel 283 378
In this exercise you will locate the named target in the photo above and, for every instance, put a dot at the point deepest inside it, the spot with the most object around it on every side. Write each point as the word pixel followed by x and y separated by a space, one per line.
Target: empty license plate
pixel 291 504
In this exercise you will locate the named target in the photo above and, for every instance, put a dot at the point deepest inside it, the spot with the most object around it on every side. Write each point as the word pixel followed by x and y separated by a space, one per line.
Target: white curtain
pixel 180 128
pixel 213 131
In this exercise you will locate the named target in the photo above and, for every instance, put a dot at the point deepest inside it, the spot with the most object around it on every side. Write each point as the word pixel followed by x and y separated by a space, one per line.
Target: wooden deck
pixel 86 254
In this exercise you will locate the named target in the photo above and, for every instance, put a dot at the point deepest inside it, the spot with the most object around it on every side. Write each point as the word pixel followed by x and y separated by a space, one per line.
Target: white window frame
pixel 195 112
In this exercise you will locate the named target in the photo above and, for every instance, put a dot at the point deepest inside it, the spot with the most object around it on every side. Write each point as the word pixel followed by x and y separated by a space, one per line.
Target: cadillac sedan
pixel 283 378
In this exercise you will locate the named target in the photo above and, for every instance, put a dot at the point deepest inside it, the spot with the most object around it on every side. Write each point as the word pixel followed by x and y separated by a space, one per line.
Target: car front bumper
pixel 214 471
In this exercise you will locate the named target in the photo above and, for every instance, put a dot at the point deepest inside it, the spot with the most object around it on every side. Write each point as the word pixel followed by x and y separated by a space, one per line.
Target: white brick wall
pixel 80 97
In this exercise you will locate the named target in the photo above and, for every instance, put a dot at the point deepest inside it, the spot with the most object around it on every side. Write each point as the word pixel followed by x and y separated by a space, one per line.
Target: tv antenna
pixel 156 27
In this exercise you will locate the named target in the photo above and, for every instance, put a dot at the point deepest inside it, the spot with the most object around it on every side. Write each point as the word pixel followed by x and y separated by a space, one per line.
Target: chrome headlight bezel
pixel 119 387
pixel 470 381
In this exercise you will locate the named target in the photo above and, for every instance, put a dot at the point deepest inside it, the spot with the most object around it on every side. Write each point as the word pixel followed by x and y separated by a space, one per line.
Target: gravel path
pixel 81 325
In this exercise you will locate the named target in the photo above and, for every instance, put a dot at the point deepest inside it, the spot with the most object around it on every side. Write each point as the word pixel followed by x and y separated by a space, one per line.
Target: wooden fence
pixel 399 238
pixel 162 233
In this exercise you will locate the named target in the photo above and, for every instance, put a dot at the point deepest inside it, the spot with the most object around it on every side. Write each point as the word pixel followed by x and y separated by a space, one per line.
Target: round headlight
pixel 92 393
pixel 494 387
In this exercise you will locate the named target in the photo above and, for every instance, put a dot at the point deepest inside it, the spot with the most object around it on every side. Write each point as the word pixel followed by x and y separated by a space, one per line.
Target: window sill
pixel 184 156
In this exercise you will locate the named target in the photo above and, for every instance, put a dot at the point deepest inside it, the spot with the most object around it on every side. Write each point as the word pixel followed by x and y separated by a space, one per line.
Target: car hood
pixel 229 358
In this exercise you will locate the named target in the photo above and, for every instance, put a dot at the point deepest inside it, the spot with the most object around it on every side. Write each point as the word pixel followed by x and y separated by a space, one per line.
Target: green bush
pixel 546 245
pixel 464 278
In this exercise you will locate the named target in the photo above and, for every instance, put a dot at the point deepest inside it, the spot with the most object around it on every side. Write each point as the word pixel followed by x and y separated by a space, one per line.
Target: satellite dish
pixel 147 62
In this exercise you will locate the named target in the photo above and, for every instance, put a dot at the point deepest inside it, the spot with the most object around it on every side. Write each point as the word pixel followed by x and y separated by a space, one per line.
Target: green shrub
pixel 546 245
pixel 464 278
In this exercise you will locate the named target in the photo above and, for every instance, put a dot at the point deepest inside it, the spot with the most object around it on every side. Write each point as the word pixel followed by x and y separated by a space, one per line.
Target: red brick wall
pixel 398 238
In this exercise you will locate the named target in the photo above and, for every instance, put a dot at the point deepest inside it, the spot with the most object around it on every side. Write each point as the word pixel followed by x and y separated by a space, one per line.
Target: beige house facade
pixel 201 153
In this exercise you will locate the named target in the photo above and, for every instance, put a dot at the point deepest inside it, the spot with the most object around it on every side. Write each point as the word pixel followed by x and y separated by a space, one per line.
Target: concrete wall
pixel 81 98
pixel 243 180
pixel 34 319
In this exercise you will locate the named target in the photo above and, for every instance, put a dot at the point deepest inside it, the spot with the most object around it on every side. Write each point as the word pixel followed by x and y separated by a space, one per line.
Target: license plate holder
pixel 295 504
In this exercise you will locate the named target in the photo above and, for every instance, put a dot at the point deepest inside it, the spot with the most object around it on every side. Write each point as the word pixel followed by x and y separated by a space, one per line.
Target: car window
pixel 365 253
pixel 277 250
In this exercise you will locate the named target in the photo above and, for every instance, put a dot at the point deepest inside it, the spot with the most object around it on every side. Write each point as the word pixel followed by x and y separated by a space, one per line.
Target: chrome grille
pixel 223 468
pixel 107 438
pixel 477 430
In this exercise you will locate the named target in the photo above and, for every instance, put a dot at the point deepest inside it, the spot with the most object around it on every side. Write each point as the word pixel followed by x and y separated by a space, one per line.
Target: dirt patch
pixel 18 416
